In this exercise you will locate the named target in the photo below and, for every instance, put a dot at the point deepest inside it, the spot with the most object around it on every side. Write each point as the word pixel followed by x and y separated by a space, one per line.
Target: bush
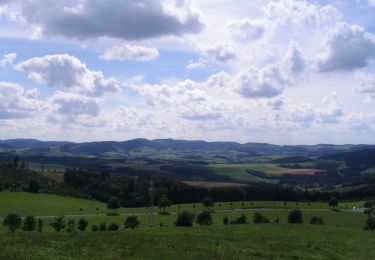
pixel 369 204
pixel 113 204
pixel 204 218
pixel 39 225
pixel 259 218
pixel 225 220
pixel 295 217
pixel 82 224
pixel 29 224
pixel 333 202
pixel 184 219
pixel 317 221
pixel 12 221
pixel 103 226
pixel 370 223
pixel 113 227
pixel 94 228
pixel 71 226
pixel 208 202
pixel 58 223
pixel 241 220
pixel 131 222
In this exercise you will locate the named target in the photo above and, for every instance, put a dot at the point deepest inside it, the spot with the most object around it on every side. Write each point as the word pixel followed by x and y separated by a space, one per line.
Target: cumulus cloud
pixel 67 71
pixel 199 64
pixel 294 62
pixel 72 104
pixel 371 2
pixel 124 19
pixel 220 52
pixel 15 102
pixel 130 52
pixel 246 29
pixel 348 47
pixel 267 82
pixel 8 59
pixel 331 111
pixel 366 83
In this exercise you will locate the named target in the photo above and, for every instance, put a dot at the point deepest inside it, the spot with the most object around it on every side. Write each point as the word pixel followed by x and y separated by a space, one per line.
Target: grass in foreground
pixel 263 241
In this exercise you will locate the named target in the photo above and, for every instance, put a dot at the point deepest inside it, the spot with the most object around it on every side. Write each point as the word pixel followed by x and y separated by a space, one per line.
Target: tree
pixel 131 222
pixel 208 202
pixel 370 223
pixel 82 224
pixel 241 220
pixel 295 217
pixel 225 220
pixel 39 225
pixel 317 221
pixel 204 218
pixel 33 187
pixel 333 202
pixel 259 218
pixel 184 219
pixel 94 228
pixel 71 226
pixel 113 227
pixel 12 221
pixel 113 204
pixel 103 226
pixel 164 203
pixel 29 224
pixel 58 223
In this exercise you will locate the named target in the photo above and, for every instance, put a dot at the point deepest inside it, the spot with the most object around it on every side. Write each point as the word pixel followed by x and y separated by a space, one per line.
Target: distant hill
pixel 356 160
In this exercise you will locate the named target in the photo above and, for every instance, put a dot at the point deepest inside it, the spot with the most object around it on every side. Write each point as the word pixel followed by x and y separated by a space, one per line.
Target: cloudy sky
pixel 280 71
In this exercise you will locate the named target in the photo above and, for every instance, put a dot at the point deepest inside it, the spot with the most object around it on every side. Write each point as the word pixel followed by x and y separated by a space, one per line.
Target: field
pixel 208 184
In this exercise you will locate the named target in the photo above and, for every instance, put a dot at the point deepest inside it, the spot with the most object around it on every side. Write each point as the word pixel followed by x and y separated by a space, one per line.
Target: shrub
pixel 259 218
pixel 39 225
pixel 333 202
pixel 317 221
pixel 113 204
pixel 204 218
pixel 82 224
pixel 58 223
pixel 12 221
pixel 225 220
pixel 184 219
pixel 71 226
pixel 164 203
pixel 369 204
pixel 131 222
pixel 29 224
pixel 103 226
pixel 370 223
pixel 208 202
pixel 95 228
pixel 295 217
pixel 241 220
pixel 113 227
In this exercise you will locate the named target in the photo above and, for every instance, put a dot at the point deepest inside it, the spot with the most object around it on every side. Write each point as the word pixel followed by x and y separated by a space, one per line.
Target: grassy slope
pixel 263 241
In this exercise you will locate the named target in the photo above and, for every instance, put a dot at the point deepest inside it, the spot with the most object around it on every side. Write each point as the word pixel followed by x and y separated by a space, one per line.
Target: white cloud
pixel 15 102
pixel 124 19
pixel 199 64
pixel 348 47
pixel 130 52
pixel 67 71
pixel 371 2
pixel 246 29
pixel 220 52
pixel 8 59
pixel 294 61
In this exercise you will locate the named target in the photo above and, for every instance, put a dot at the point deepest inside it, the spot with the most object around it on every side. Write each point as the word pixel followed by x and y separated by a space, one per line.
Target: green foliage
pixel 295 217
pixel 208 202
pixel 103 226
pixel 164 203
pixel 29 223
pixel 259 218
pixel 113 203
pixel 34 186
pixel 95 228
pixel 204 218
pixel 12 221
pixel 225 220
pixel 71 226
pixel 131 222
pixel 370 223
pixel 113 227
pixel 184 219
pixel 58 223
pixel 241 220
pixel 317 221
pixel 333 202
pixel 82 224
pixel 39 225
pixel 369 204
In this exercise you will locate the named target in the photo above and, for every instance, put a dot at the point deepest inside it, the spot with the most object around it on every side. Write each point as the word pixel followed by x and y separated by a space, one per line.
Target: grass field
pixel 209 184
pixel 262 241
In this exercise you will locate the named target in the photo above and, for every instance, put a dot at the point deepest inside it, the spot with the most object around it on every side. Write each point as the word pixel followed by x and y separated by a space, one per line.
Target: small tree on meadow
pixel 58 223
pixel 12 221
pixel 225 220
pixel 259 218
pixel 333 202
pixel 71 226
pixel 39 225
pixel 208 202
pixel 113 204
pixel 164 203
pixel 204 218
pixel 370 223
pixel 29 224
pixel 82 224
pixel 295 217
pixel 131 222
pixel 103 226
pixel 184 219
pixel 113 227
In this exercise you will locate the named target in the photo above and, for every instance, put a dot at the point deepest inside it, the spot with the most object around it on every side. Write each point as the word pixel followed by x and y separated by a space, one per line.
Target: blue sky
pixel 279 71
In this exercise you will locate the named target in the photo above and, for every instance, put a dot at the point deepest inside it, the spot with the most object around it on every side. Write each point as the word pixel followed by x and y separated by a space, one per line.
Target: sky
pixel 279 71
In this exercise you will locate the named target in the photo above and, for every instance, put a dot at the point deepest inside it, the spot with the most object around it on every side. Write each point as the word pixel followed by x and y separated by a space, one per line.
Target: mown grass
pixel 262 241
